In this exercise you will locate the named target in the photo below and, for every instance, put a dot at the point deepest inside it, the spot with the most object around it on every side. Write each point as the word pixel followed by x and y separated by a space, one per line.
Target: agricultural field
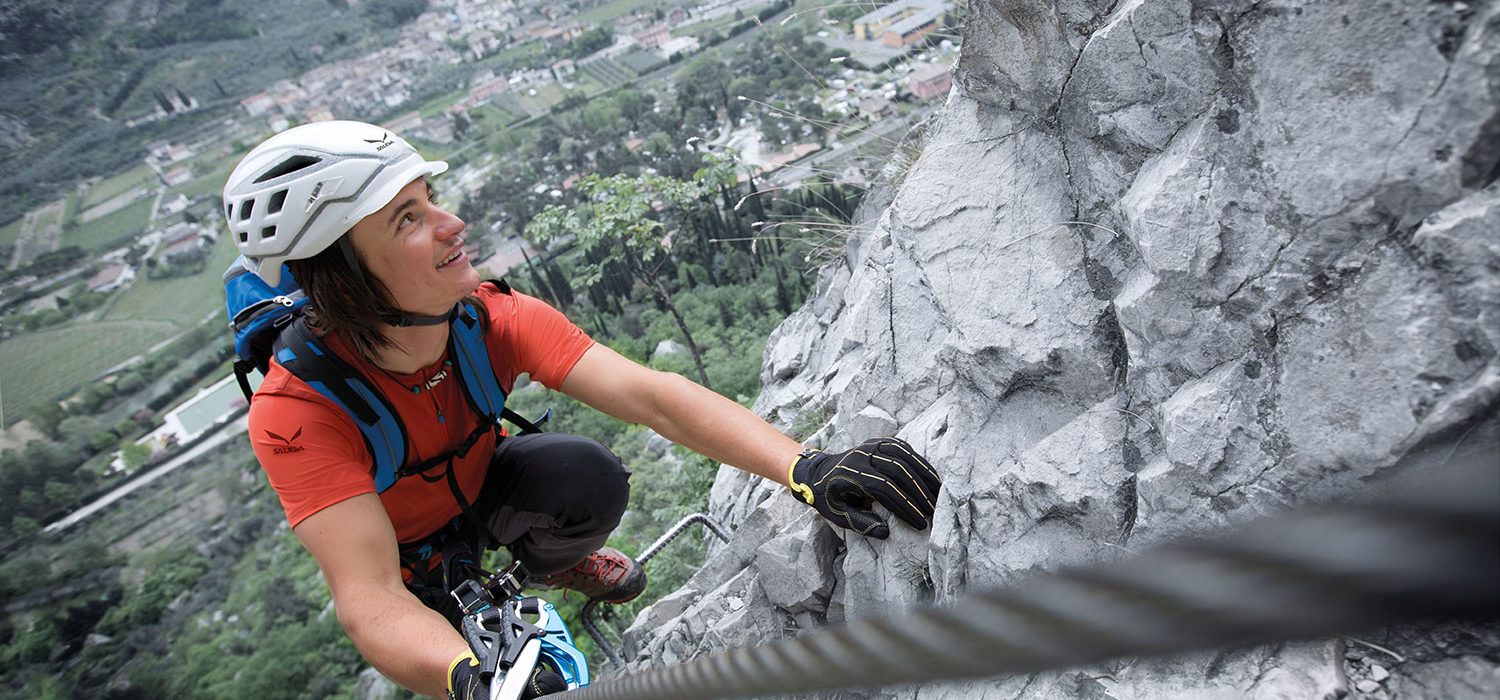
pixel 508 103
pixel 109 188
pixel 210 172
pixel 179 301
pixel 112 229
pixel 619 8
pixel 585 83
pixel 48 217
pixel 47 365
pixel 606 71
pixel 10 233
pixel 546 96
pixel 640 62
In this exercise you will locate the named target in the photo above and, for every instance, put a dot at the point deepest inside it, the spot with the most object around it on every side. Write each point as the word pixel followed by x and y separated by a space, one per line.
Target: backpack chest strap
pixel 306 356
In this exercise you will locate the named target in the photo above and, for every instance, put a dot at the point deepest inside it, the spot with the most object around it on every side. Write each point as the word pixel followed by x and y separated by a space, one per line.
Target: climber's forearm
pixel 681 411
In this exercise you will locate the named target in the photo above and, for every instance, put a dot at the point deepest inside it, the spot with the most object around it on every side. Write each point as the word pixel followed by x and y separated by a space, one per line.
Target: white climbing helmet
pixel 296 193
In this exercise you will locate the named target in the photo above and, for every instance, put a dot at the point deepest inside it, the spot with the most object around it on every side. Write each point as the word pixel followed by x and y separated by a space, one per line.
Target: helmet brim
pixel 269 268
pixel 392 185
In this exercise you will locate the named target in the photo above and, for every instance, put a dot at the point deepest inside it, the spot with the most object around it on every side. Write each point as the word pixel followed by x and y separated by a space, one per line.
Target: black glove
pixel 464 682
pixel 463 679
pixel 844 485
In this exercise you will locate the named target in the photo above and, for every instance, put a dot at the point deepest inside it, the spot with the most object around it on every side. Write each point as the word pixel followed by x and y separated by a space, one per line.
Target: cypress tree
pixel 542 289
pixel 707 259
pixel 557 281
pixel 783 297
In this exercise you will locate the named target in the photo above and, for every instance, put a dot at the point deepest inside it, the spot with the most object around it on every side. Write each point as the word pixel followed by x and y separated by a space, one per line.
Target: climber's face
pixel 415 248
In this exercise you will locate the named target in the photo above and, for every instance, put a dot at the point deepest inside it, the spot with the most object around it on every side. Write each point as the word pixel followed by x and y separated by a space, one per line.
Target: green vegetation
pixel 205 20
pixel 49 477
pixel 9 234
pixel 181 301
pixel 606 71
pixel 111 187
pixel 393 13
pixel 209 174
pixel 520 52
pixel 174 619
pixel 640 62
pixel 195 586
pixel 45 366
pixel 114 228
pixel 509 104
pixel 600 37
pixel 537 100
pixel 47 217
pixel 66 65
pixel 618 8
pixel 621 222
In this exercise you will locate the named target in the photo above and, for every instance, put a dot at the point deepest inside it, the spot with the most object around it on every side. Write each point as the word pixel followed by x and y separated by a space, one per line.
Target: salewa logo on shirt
pixel 440 376
pixel 288 448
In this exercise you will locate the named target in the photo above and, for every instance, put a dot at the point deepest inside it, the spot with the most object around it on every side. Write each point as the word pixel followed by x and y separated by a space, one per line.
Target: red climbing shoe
pixel 608 575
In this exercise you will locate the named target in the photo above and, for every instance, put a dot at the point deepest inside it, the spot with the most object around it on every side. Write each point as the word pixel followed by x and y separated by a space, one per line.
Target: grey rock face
pixel 1161 267
pixel 373 686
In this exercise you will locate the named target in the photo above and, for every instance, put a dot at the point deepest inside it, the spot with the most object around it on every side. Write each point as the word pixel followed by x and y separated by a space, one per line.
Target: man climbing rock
pixel 349 210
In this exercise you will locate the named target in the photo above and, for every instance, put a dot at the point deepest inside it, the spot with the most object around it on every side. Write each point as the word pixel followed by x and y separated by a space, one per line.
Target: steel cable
pixel 1424 552
pixel 672 533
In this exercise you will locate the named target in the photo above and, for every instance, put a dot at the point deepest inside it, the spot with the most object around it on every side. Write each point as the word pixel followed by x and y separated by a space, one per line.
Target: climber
pixel 348 208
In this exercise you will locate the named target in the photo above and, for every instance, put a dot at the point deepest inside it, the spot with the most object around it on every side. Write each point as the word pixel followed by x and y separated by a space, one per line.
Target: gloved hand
pixel 463 679
pixel 844 485
pixel 464 682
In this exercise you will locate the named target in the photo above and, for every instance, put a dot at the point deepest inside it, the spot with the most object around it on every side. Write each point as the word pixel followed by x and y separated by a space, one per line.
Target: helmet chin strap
pixel 394 317
pixel 405 319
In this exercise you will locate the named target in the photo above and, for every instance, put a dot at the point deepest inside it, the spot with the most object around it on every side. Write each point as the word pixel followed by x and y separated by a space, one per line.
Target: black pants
pixel 550 498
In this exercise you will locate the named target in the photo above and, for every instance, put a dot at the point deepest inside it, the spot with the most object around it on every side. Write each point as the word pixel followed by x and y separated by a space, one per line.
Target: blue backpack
pixel 267 321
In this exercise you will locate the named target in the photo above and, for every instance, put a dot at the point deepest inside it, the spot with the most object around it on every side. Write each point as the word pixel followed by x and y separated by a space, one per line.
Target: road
pixel 890 128
pixel 221 435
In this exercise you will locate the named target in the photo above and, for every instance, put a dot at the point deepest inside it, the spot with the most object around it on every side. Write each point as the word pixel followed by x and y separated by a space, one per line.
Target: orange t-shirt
pixel 314 456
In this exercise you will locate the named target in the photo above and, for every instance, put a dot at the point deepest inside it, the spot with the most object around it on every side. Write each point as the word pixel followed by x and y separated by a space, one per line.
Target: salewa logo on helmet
pixel 312 198
pixel 288 448
pixel 381 143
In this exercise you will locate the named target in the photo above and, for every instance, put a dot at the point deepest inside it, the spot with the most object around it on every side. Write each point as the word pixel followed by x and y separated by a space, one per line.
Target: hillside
pixel 1158 268
pixel 80 80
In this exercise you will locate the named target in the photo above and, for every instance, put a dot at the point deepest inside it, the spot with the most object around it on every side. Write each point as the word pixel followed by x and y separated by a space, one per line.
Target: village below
pixel 123 448
pixel 162 217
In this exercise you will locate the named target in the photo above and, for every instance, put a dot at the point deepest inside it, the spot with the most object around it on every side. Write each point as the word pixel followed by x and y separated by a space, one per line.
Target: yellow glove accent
pixel 800 489
pixel 468 656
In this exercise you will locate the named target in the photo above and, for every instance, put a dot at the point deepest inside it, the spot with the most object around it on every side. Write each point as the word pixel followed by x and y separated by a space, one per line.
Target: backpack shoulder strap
pixel 477 374
pixel 307 357
pixel 466 347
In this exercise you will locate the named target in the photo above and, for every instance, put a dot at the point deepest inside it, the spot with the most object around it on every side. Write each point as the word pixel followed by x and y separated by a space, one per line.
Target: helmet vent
pixel 277 200
pixel 268 232
pixel 290 165
pixel 247 208
pixel 244 236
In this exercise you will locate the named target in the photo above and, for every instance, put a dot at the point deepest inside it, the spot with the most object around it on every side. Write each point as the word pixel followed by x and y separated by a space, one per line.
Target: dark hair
pixel 355 304
pixel 342 300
